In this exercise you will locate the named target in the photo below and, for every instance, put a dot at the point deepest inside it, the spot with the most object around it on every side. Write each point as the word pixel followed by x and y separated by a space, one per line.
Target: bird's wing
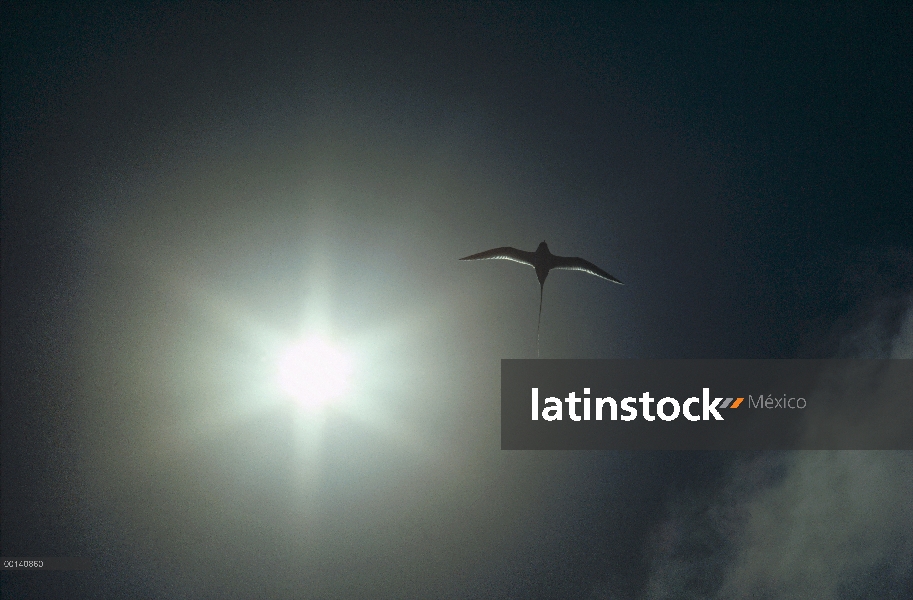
pixel 578 264
pixel 506 253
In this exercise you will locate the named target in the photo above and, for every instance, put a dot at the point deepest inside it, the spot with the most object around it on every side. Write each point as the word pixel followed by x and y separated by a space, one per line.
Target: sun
pixel 315 372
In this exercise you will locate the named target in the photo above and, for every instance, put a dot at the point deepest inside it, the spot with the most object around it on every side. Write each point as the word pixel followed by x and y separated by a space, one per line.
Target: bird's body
pixel 543 261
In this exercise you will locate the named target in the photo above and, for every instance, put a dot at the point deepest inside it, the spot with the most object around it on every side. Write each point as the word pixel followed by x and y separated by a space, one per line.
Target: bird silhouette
pixel 543 261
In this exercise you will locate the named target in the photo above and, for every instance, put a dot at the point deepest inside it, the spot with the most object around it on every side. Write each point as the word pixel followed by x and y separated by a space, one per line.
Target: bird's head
pixel 543 247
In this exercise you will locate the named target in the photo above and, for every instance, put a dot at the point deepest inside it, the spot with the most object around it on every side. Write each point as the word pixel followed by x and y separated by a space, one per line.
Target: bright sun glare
pixel 315 372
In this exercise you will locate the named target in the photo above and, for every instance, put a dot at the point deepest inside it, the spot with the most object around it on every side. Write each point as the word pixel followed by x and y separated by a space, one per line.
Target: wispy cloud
pixel 813 524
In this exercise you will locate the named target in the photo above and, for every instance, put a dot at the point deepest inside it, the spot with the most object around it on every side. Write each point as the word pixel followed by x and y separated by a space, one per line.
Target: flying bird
pixel 543 261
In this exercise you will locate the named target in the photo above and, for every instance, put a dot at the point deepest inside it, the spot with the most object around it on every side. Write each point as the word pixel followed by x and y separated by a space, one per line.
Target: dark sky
pixel 188 187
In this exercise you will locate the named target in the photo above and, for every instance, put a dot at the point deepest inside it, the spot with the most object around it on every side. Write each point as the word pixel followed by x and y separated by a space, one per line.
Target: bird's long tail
pixel 539 322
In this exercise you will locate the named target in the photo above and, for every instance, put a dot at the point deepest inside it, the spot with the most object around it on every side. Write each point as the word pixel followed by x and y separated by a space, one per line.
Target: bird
pixel 543 261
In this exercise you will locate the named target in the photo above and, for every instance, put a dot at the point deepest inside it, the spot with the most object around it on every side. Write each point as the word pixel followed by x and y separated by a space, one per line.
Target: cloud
pixel 812 524
pixel 816 524
pixel 838 525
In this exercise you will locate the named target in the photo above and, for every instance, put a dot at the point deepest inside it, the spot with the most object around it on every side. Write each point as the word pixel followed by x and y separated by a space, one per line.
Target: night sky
pixel 188 189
